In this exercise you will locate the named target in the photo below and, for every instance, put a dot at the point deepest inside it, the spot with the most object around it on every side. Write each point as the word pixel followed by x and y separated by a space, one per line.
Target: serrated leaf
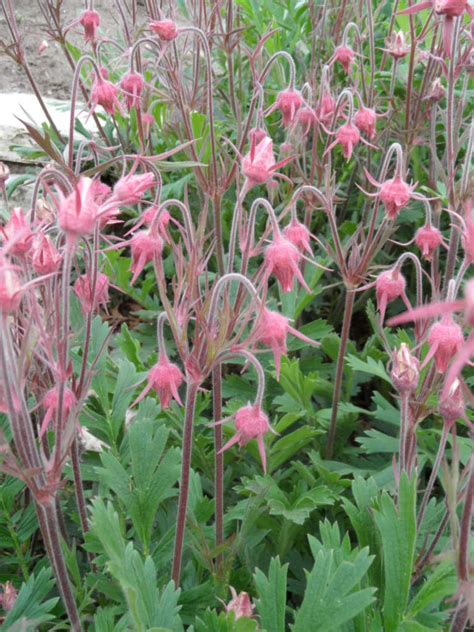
pixel 372 367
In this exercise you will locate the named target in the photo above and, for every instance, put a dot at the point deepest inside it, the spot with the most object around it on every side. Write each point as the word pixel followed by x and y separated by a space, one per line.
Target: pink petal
pixel 416 8
pixel 230 443
pixel 460 361
pixel 448 35
pixel 427 311
pixel 263 456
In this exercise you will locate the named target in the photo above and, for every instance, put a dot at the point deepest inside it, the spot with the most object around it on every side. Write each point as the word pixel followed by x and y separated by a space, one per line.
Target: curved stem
pixel 346 325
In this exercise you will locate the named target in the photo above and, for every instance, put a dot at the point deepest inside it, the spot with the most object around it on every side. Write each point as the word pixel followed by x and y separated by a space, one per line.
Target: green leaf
pixel 440 584
pixel 31 607
pixel 372 367
pixel 271 604
pixel 397 529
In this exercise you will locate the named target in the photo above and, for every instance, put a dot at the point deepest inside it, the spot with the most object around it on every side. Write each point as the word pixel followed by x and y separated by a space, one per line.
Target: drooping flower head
pixel 90 21
pixel 348 137
pixel 240 605
pixel 165 378
pixel 9 594
pixel 389 286
pixel 89 300
pixel 394 194
pixel 365 120
pixel 166 29
pixel 18 230
pixel 144 246
pixel 326 108
pixel 131 188
pixel 397 46
pixel 299 235
pixel 132 88
pixel 306 117
pixel 258 166
pixel 10 288
pixel 428 239
pixel 445 339
pixel 250 423
pixel 405 369
pixel 105 94
pixel 451 405
pixel 345 56
pixel 288 102
pixel 45 257
pixel 50 404
pixel 282 259
pixel 78 212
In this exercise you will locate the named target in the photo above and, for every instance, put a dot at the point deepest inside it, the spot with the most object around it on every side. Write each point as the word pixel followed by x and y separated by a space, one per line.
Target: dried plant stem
pixel 190 406
pixel 346 325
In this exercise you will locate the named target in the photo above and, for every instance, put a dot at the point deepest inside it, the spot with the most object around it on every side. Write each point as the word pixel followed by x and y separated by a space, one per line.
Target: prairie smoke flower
pixel 445 339
pixel 326 108
pixel 45 259
pixel 132 88
pixel 394 193
pixel 104 93
pixel 165 378
pixel 428 239
pixel 436 91
pixel 306 117
pixel 396 46
pixel 250 423
pixel 451 406
pixel 131 188
pixel 90 21
pixel 144 246
pixel 166 30
pixel 389 286
pixel 50 405
pixel 88 300
pixel 348 137
pixel 271 330
pixel 18 231
pixel 10 289
pixel 298 235
pixel 78 212
pixel 345 56
pixel 288 102
pixel 9 594
pixel 258 166
pixel 405 369
pixel 240 605
pixel 282 259
pixel 365 120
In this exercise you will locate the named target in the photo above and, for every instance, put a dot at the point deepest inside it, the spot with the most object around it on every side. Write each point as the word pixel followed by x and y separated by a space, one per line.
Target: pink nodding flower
pixel 389 286
pixel 445 339
pixel 240 605
pixel 250 423
pixel 132 88
pixel 365 120
pixel 10 289
pixel 18 230
pixel 345 56
pixel 105 94
pixel 131 188
pixel 326 108
pixel 394 193
pixel 166 30
pixel 306 117
pixel 78 212
pixel 165 378
pixel 88 300
pixel 258 166
pixel 299 235
pixel 45 258
pixel 50 405
pixel 90 21
pixel 288 102
pixel 405 369
pixel 282 259
pixel 348 137
pixel 451 406
pixel 271 330
pixel 144 246
pixel 428 239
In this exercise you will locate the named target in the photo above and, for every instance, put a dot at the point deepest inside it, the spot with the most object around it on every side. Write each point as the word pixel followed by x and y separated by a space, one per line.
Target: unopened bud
pixel 451 407
pixel 405 369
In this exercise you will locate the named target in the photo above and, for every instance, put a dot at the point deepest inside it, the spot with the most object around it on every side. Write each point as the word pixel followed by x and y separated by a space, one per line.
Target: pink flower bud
pixel 298 235
pixel 104 93
pixel 144 247
pixel 347 136
pixel 282 259
pixel 19 231
pixel 451 406
pixel 345 56
pixel 450 8
pixel 50 405
pixel 46 259
pixel 271 330
pixel 10 289
pixel 436 91
pixel 78 213
pixel 8 596
pixel 395 195
pixel 42 47
pixel 428 239
pixel 326 108
pixel 132 87
pixel 250 423
pixel 165 378
pixel 405 370
pixel 90 21
pixel 396 46
pixel 166 30
pixel 306 117
pixel 288 102
pixel 240 605
pixel 389 286
pixel 258 168
pixel 365 120
pixel 83 290
pixel 445 340
pixel 131 188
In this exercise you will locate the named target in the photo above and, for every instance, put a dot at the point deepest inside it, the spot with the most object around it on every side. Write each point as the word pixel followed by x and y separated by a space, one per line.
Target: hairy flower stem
pixel 433 476
pixel 48 520
pixel 346 325
pixel 190 406
pixel 404 423
pixel 218 464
